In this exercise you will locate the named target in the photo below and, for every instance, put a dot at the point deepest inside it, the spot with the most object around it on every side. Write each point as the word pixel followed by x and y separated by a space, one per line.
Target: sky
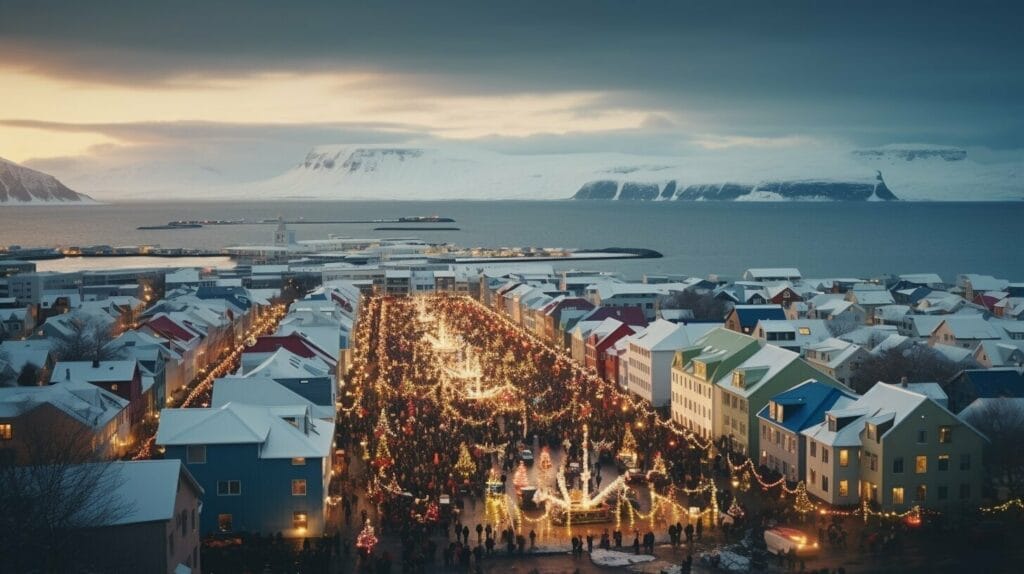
pixel 249 86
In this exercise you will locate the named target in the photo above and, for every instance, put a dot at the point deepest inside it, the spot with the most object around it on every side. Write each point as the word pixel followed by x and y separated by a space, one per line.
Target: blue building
pixel 788 413
pixel 264 469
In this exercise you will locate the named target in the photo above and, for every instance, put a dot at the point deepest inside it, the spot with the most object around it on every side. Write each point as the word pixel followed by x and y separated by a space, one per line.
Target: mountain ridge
pixel 20 185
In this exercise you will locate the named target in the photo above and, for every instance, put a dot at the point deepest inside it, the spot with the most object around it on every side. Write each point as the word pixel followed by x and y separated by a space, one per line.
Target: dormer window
pixel 700 369
pixel 292 421
pixel 833 424
pixel 737 379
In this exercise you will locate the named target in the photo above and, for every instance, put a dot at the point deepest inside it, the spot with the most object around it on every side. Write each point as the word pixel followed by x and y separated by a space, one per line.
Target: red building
pixel 600 340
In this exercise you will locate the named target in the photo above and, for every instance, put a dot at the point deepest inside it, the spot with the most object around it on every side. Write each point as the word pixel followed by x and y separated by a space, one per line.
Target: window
pixel 945 435
pixel 871 430
pixel 298 461
pixel 299 487
pixel 943 492
pixel 965 462
pixel 814 477
pixel 300 520
pixel 814 449
pixel 824 483
pixel 803 330
pixel 224 522
pixel 844 488
pixel 824 455
pixel 229 487
pixel 897 465
pixel 897 495
pixel 921 464
pixel 965 491
pixel 844 457
pixel 195 454
pixel 873 462
pixel 6 431
pixel 943 462
pixel 922 436
pixel 193 520
pixel 922 493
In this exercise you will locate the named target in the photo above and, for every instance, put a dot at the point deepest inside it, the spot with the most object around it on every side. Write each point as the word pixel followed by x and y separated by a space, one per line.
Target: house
pixel 775 274
pixel 870 297
pixel 929 280
pixel 782 294
pixel 900 448
pixel 123 378
pixel 155 512
pixel 974 284
pixel 600 340
pixel 836 358
pixel 794 335
pixel 964 331
pixel 973 384
pixel 741 393
pixel 991 353
pixel 743 318
pixel 696 369
pixel 786 416
pixel 264 469
pixel 30 358
pixel 296 344
pixel 67 413
pixel 551 315
pixel 16 320
pixel 309 378
pixel 579 327
pixel 615 294
pixel 650 354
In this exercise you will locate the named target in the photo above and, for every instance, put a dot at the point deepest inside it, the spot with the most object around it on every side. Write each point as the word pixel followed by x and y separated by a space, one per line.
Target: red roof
pixel 294 343
pixel 167 327
pixel 628 315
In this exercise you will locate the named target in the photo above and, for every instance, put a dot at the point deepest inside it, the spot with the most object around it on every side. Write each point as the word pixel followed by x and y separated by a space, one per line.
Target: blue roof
pixel 996 383
pixel 749 317
pixel 805 404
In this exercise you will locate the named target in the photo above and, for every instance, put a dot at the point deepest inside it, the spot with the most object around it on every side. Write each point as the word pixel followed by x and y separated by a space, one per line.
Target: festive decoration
pixel 366 539
pixel 520 479
pixel 465 467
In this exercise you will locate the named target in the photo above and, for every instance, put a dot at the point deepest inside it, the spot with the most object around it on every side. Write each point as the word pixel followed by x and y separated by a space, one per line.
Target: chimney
pixel 95 363
pixel 903 382
pixel 67 374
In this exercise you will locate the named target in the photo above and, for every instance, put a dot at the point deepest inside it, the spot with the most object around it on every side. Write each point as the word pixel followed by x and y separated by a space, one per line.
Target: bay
pixel 823 239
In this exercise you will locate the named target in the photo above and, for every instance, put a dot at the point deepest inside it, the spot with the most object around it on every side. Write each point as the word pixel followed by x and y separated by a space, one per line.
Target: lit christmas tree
pixel 628 449
pixel 545 459
pixel 520 480
pixel 465 468
pixel 658 467
pixel 366 539
pixel 803 503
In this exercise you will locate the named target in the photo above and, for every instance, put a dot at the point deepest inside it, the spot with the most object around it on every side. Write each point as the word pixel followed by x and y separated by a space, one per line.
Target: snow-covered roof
pixel 265 392
pixel 882 402
pixel 662 335
pixel 103 372
pixel 758 273
pixel 972 327
pixel 147 489
pixel 85 402
pixel 758 369
pixel 20 353
pixel 283 364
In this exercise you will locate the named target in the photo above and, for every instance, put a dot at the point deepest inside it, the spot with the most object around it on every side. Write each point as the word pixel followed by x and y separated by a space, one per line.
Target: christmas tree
pixel 545 459
pixel 803 503
pixel 383 458
pixel 658 467
pixel 465 468
pixel 628 444
pixel 366 539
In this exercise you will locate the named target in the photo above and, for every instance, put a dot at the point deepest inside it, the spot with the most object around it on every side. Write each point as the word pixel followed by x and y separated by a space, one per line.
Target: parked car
pixel 782 539
pixel 526 455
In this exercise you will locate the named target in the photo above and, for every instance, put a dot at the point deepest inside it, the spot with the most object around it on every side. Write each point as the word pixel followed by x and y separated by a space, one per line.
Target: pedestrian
pixel 700 529
pixel 636 543
pixel 689 534
pixel 465 534
pixel 490 545
pixel 488 530
pixel 590 543
pixel 533 539
pixel 479 532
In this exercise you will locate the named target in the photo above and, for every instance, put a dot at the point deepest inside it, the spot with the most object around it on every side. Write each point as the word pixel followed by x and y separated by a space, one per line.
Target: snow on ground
pixel 615 559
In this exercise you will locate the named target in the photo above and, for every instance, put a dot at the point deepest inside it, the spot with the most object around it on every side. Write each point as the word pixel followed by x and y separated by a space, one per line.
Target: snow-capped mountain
pixel 20 185
pixel 887 173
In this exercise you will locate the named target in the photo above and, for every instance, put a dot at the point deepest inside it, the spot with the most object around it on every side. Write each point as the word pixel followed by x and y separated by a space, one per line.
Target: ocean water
pixel 822 239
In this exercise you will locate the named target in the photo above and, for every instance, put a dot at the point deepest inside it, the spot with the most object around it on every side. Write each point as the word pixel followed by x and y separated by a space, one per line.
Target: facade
pixel 836 358
pixel 264 469
pixel 696 369
pixel 744 318
pixel 786 415
pixel 896 448
pixel 650 355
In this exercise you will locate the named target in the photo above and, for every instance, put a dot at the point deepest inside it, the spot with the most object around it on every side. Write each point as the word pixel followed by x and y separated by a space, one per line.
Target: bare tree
pixel 30 375
pixel 52 495
pixel 705 307
pixel 87 341
pixel 918 363
pixel 842 325
pixel 7 375
pixel 1003 423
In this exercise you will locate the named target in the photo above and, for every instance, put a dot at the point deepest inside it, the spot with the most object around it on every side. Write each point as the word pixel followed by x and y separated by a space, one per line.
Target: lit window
pixel 897 495
pixel 844 457
pixel 229 487
pixel 844 487
pixel 195 454
pixel 299 487
pixel 6 431
pixel 298 461
pixel 805 331
pixel 224 522
pixel 921 464
pixel 945 435
pixel 300 520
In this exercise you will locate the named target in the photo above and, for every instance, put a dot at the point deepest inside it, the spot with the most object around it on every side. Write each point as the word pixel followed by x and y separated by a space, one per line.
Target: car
pixel 780 540
pixel 635 475
pixel 526 455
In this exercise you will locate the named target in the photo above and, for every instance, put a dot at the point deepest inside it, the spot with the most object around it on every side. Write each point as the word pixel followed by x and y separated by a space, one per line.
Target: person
pixel 689 534
pixel 617 535
pixel 687 566
pixel 700 529
pixel 465 534
pixel 672 535
pixel 488 530
pixel 575 542
pixel 636 542
pixel 590 543
pixel 458 529
pixel 533 539
pixel 490 545
pixel 479 532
